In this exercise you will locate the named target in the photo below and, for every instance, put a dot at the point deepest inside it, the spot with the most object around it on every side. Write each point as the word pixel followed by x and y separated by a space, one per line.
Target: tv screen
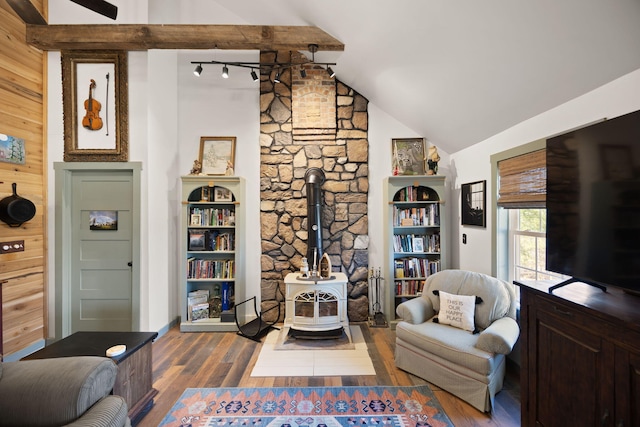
pixel 593 203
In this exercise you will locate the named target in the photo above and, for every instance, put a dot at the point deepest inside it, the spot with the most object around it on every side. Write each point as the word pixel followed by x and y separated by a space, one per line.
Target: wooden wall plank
pixel 22 114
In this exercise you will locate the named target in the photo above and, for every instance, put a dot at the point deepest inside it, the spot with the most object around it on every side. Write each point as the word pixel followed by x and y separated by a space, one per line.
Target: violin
pixel 91 119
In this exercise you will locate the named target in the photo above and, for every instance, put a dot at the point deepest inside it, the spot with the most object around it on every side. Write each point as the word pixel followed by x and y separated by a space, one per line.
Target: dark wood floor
pixel 208 359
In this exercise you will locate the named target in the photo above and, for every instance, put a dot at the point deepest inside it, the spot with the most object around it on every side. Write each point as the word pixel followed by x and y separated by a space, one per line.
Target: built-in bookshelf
pixel 212 261
pixel 415 236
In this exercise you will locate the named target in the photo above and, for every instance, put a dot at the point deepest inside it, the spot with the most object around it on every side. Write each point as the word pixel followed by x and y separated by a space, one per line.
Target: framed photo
pixel 103 220
pixel 95 106
pixel 221 194
pixel 418 244
pixel 196 219
pixel 617 162
pixel 12 149
pixel 217 154
pixel 408 156
pixel 197 241
pixel 474 203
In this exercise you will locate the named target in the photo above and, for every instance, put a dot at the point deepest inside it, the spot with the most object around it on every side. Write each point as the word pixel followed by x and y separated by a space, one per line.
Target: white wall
pixel 616 98
pixel 170 109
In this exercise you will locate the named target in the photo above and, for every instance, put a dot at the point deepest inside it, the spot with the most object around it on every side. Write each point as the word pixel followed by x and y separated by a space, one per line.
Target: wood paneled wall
pixel 22 114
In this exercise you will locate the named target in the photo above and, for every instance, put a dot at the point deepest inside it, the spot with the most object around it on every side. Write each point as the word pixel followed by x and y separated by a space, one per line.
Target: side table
pixel 134 381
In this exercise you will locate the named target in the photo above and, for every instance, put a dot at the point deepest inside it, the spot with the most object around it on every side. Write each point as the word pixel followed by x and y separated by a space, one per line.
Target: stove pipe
pixel 314 178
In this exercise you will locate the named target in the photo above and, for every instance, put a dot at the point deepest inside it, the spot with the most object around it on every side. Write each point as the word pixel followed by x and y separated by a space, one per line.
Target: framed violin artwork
pixel 95 106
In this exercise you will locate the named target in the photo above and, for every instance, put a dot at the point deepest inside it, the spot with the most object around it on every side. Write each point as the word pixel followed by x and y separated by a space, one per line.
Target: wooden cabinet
pixel 415 236
pixel 212 244
pixel 580 356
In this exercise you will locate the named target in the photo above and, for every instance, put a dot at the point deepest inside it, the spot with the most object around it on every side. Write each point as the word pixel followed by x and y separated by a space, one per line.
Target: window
pixel 527 245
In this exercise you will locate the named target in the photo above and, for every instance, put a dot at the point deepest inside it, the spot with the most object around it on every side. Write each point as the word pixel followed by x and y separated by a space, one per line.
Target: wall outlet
pixel 15 246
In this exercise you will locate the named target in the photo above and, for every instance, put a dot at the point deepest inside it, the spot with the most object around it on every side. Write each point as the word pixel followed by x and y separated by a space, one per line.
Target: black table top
pixel 94 344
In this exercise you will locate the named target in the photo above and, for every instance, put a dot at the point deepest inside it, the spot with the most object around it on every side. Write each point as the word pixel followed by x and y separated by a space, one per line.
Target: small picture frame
pixel 197 240
pixel 12 149
pixel 474 203
pixel 196 219
pixel 103 220
pixel 221 194
pixel 204 195
pixel 418 244
pixel 217 154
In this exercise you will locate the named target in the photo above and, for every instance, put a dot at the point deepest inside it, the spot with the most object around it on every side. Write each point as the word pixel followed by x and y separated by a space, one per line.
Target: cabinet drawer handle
pixel 564 312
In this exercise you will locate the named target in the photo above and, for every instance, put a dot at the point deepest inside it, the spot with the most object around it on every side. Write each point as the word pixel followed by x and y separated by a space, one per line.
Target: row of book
pixel 415 267
pixel 210 269
pixel 416 243
pixel 417 216
pixel 409 287
pixel 412 193
pixel 211 240
pixel 205 217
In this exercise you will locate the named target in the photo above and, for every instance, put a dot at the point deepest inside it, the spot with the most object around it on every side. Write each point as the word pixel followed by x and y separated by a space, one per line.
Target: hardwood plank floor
pixel 211 359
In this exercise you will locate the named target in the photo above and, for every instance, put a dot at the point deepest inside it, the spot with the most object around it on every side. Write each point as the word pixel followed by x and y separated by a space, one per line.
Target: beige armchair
pixel 71 391
pixel 468 364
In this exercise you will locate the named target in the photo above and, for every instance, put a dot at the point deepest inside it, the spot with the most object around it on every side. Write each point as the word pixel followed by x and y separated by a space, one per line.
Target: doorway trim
pixel 64 172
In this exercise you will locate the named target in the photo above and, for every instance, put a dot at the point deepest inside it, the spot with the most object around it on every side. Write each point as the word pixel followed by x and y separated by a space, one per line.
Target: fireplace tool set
pixel 375 283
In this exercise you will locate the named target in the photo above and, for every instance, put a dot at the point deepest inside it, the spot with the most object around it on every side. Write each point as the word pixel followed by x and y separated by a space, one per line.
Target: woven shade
pixel 523 181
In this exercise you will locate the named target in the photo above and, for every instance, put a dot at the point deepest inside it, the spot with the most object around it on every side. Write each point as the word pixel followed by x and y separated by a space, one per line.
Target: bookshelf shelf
pixel 212 256
pixel 416 233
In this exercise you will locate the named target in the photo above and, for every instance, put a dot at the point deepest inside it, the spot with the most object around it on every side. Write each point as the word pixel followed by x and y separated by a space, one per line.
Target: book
pixel 200 312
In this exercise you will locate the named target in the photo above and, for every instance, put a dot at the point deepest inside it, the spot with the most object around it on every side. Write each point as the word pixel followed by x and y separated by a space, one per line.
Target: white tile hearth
pixel 323 362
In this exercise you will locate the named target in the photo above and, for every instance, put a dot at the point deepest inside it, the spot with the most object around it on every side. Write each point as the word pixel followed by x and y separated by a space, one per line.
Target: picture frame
pixel 418 244
pixel 197 240
pixel 222 194
pixel 12 149
pixel 217 154
pixel 474 203
pixel 617 162
pixel 95 106
pixel 408 156
pixel 103 220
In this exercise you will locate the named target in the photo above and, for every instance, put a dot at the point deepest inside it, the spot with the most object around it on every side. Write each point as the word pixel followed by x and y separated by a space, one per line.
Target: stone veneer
pixel 320 122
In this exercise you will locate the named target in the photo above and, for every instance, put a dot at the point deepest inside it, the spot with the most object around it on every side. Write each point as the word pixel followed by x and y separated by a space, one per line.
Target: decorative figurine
pixel 433 160
pixel 197 168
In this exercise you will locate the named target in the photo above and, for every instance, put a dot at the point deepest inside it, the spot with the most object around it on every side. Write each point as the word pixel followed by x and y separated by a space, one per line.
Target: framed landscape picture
pixel 217 154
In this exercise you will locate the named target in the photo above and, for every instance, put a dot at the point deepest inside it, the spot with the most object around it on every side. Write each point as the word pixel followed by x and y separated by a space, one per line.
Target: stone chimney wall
pixel 315 121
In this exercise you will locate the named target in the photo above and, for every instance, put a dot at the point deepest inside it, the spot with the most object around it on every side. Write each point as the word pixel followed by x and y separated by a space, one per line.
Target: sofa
pixel 435 341
pixel 72 391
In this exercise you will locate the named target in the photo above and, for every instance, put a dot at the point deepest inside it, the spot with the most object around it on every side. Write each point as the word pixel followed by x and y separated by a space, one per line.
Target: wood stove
pixel 316 305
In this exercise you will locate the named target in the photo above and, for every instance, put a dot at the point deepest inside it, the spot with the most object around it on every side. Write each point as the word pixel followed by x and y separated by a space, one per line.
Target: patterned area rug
pixel 307 407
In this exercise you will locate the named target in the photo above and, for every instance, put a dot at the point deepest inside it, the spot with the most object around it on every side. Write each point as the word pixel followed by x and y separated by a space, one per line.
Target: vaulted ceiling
pixel 455 72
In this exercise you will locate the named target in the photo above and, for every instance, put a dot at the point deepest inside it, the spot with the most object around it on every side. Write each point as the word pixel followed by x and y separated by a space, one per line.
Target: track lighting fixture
pixel 278 67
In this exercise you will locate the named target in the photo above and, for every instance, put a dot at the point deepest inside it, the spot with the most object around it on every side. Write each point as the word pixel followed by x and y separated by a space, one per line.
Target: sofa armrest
pixel 416 310
pixel 111 411
pixel 499 337
pixel 67 387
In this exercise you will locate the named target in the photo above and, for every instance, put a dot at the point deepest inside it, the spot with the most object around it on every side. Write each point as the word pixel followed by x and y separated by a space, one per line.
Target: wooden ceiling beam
pixel 27 12
pixel 151 36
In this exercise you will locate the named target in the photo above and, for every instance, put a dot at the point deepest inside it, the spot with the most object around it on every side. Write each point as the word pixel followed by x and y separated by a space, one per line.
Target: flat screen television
pixel 593 203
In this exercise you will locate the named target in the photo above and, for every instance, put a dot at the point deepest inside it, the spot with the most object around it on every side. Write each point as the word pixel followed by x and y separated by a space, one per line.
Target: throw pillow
pixel 457 310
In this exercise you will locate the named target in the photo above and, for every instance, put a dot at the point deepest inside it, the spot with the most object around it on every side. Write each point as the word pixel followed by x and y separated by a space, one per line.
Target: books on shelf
pixel 415 267
pixel 212 217
pixel 416 243
pixel 211 240
pixel 196 298
pixel 210 268
pixel 200 311
pixel 425 216
pixel 409 287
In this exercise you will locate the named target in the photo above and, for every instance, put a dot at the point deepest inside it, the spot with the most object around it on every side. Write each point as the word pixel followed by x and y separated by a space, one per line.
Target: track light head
pixel 277 78
pixel 225 72
pixel 198 70
pixel 254 76
pixel 332 73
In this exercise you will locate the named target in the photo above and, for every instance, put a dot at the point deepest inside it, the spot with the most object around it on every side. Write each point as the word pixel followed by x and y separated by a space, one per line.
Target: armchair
pixel 71 391
pixel 470 365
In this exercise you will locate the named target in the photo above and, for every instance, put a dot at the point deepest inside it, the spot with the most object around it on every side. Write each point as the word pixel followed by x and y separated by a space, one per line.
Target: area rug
pixel 305 360
pixel 307 407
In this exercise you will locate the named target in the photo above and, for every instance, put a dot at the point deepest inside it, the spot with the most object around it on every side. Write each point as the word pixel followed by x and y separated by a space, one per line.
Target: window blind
pixel 522 181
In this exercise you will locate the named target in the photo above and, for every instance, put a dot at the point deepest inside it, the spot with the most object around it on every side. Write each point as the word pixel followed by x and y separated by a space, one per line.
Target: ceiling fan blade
pixel 100 6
